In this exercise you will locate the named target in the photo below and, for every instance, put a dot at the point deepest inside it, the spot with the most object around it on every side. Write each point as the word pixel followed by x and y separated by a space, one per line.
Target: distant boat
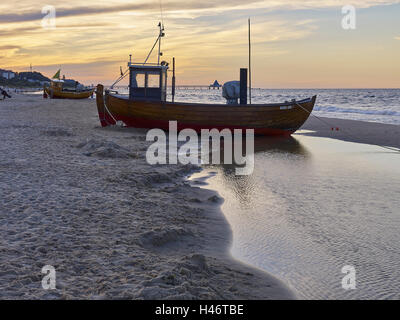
pixel 56 90
pixel 147 106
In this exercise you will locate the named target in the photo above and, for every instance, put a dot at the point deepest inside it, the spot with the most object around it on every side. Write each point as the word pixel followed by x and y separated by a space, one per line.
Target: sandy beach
pixel 303 206
pixel 83 199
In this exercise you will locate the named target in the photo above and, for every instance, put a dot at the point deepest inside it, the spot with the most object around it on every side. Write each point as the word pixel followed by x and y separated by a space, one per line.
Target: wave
pixel 352 110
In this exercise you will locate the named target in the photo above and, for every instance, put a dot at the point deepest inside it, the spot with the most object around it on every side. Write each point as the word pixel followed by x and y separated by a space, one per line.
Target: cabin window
pixel 153 80
pixel 148 83
pixel 140 80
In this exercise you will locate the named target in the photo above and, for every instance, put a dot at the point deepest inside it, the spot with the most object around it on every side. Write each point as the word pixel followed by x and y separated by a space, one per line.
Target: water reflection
pixel 280 144
pixel 243 186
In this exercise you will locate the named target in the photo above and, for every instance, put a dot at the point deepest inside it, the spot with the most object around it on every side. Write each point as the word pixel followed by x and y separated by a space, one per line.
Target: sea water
pixel 315 205
pixel 374 105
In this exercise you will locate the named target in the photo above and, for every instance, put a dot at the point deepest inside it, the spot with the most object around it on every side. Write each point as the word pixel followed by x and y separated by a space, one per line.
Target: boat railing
pixel 112 91
pixel 144 64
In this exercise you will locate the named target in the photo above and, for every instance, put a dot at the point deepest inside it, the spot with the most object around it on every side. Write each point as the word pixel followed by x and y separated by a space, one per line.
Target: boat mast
pixel 249 63
pixel 159 41
pixel 160 35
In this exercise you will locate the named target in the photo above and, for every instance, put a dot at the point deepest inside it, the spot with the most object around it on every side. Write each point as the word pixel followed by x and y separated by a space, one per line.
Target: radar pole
pixel 249 62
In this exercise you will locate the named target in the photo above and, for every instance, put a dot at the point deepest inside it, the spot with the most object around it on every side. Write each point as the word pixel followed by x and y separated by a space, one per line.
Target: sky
pixel 295 43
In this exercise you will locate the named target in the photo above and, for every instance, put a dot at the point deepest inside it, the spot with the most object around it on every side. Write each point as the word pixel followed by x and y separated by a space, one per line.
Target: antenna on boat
pixel 161 12
pixel 249 62
pixel 173 79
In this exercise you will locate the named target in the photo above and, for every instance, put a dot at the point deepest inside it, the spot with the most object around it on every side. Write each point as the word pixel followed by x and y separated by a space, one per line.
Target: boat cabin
pixel 148 81
pixel 57 84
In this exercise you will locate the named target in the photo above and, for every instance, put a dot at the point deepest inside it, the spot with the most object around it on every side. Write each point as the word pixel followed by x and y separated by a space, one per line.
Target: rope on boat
pixel 109 112
pixel 120 78
pixel 151 51
pixel 337 129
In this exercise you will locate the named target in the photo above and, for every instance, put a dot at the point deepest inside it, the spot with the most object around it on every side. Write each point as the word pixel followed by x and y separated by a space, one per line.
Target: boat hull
pixel 56 94
pixel 266 119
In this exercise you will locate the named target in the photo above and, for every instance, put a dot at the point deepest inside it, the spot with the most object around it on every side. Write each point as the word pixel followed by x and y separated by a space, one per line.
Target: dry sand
pixel 83 199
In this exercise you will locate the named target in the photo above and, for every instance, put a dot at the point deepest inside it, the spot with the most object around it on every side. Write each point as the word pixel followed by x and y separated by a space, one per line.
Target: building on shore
pixel 7 74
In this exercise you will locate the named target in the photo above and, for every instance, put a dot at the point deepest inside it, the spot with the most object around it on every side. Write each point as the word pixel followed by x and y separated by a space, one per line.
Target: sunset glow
pixel 296 44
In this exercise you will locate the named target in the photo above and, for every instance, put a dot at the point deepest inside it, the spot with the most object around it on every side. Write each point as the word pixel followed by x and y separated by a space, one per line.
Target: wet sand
pixel 354 131
pixel 83 199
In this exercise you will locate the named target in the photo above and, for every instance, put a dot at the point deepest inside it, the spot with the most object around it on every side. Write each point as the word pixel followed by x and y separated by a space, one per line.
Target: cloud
pixel 182 6
pixel 18 31
pixel 94 38
pixel 81 10
pixel 9 47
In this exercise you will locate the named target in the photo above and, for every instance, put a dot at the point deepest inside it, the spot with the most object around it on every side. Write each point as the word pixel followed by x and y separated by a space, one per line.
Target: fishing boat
pixel 56 90
pixel 146 106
